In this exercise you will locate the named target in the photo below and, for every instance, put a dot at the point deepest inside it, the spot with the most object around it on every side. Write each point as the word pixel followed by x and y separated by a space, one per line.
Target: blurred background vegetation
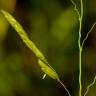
pixel 53 26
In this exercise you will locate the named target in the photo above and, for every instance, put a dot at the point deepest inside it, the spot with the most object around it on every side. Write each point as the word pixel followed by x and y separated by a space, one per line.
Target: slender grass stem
pixel 81 9
pixel 80 49
pixel 64 87
pixel 94 24
pixel 80 17
pixel 45 67
pixel 89 86
pixel 80 72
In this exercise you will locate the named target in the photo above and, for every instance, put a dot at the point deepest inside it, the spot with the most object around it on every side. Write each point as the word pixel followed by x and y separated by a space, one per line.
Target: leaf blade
pixel 48 70
pixel 21 32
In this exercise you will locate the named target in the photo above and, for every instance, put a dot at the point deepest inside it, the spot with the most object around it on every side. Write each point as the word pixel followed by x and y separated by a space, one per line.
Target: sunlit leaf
pixel 45 67
pixel 48 70
pixel 19 29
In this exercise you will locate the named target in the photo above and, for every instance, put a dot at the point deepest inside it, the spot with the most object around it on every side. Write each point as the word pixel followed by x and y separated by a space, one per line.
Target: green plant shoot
pixel 45 67
pixel 19 29
pixel 47 70
pixel 80 45
pixel 42 62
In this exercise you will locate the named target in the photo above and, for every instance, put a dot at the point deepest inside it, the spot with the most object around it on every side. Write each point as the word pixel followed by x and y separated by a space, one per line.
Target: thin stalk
pixel 89 86
pixel 80 72
pixel 80 45
pixel 64 87
pixel 80 17
pixel 81 9
pixel 80 50
pixel 94 80
pixel 94 24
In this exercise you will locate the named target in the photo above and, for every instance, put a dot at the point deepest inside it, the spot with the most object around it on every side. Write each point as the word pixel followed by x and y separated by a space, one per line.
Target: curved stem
pixel 79 42
pixel 64 87
pixel 90 85
pixel 80 49
pixel 88 34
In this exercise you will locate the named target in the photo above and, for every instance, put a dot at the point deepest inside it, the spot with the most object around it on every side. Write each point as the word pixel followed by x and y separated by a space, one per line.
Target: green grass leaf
pixel 19 29
pixel 48 70
pixel 45 67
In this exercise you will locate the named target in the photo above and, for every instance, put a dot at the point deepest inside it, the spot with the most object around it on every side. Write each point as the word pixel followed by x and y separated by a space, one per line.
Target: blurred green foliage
pixel 53 26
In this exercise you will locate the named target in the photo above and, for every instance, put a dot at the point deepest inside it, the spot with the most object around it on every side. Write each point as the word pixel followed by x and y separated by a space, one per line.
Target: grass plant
pixel 42 61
